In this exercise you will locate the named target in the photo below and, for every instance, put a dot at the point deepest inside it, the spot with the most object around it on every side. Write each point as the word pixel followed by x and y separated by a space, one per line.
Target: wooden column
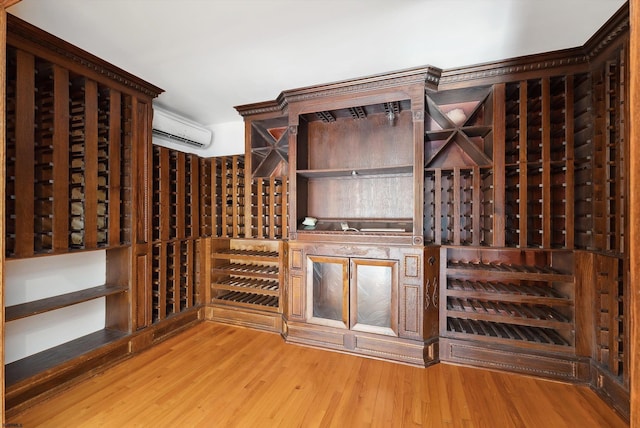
pixel 3 97
pixel 634 207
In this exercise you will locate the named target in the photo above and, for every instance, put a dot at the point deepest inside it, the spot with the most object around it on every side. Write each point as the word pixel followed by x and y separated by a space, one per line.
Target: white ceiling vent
pixel 172 130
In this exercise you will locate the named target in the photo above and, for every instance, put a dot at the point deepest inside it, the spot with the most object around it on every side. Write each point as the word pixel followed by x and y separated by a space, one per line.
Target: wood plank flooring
pixel 215 375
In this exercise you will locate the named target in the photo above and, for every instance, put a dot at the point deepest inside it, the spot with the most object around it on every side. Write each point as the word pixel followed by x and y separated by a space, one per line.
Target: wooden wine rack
pixel 268 208
pixel 246 282
pixel 174 278
pixel 509 297
pixel 76 134
pixel 176 195
pixel 458 184
pixel 67 180
pixel 539 172
pixel 583 162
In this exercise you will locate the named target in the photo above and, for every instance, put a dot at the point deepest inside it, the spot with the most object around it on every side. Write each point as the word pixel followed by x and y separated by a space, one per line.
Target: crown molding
pixel 23 35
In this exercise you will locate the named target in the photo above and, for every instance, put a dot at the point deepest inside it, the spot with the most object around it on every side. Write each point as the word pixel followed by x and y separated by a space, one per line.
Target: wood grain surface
pixel 215 375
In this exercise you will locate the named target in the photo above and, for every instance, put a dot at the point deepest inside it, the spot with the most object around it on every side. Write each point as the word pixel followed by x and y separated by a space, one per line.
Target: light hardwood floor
pixel 214 375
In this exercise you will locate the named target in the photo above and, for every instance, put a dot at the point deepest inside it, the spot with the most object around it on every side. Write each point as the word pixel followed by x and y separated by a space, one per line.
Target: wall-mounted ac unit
pixel 170 129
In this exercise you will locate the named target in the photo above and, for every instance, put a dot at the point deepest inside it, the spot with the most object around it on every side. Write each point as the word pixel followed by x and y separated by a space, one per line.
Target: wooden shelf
pixel 355 172
pixel 504 271
pixel 503 332
pixel 252 285
pixel 25 368
pixel 248 300
pixel 253 270
pixel 507 312
pixel 249 255
pixel 28 309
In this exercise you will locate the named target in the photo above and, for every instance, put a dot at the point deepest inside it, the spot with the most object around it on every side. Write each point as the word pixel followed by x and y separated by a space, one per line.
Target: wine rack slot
pixel 539 170
pixel 461 213
pixel 174 283
pixel 268 207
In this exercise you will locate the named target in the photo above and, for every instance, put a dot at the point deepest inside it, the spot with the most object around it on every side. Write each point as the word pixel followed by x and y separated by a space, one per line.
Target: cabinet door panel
pixel 374 296
pixel 328 291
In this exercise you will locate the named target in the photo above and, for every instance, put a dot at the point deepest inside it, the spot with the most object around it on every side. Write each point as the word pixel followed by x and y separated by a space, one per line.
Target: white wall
pixel 41 277
pixel 228 139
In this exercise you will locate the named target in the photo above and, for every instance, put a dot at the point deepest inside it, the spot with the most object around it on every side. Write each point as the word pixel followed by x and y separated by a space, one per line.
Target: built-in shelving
pixel 509 297
pixel 75 126
pixel 247 279
pixel 247 272
pixel 24 310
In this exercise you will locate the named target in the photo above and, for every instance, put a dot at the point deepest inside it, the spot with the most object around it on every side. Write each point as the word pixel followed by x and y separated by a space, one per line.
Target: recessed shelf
pixel 23 310
pixel 356 172
pixel 38 363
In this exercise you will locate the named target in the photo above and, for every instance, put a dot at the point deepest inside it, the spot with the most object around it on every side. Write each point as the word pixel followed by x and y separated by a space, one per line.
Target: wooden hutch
pixel 476 215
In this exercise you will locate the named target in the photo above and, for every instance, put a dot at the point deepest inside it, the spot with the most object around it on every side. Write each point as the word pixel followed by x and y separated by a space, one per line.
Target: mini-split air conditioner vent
pixel 172 130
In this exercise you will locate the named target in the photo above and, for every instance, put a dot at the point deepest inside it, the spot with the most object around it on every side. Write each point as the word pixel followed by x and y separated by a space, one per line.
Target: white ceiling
pixel 210 55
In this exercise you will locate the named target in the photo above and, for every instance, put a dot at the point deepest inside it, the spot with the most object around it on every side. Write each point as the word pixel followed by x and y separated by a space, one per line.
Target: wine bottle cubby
pixel 72 173
pixel 174 283
pixel 268 207
pixel 539 168
pixel 176 195
pixel 459 180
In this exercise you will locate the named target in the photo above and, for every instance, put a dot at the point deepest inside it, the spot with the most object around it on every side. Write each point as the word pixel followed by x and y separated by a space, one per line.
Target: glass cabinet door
pixel 374 296
pixel 328 291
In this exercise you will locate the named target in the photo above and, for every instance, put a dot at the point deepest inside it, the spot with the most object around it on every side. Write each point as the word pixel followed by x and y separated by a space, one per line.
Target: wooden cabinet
pixel 364 299
pixel 353 293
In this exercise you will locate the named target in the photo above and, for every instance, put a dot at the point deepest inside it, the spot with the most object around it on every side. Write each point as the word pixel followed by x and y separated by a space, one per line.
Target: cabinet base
pixel 269 321
pixel 517 360
pixel 386 348
pixel 612 391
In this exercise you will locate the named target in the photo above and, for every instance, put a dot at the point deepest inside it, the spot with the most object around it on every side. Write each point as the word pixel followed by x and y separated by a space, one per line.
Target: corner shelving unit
pixel 247 282
pixel 74 127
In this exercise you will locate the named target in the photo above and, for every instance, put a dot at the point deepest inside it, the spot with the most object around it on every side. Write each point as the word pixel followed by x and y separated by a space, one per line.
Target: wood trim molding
pixel 3 78
pixel 634 208
pixel 514 66
pixel 21 33
pixel 7 3
pixel 428 75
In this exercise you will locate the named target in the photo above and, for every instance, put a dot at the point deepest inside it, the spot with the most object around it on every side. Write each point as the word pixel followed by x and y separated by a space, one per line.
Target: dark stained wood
pixel 26 36
pixel 498 165
pixel 193 200
pixel 25 368
pixel 24 168
pixel 247 282
pixel 115 164
pixel 523 165
pixel 118 305
pixel 3 193
pixel 570 155
pixel 44 305
pixel 90 164
pixel 634 209
pixel 180 194
pixel 61 160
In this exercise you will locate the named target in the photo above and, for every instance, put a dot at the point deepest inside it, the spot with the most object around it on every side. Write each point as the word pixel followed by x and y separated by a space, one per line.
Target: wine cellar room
pixel 476 212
